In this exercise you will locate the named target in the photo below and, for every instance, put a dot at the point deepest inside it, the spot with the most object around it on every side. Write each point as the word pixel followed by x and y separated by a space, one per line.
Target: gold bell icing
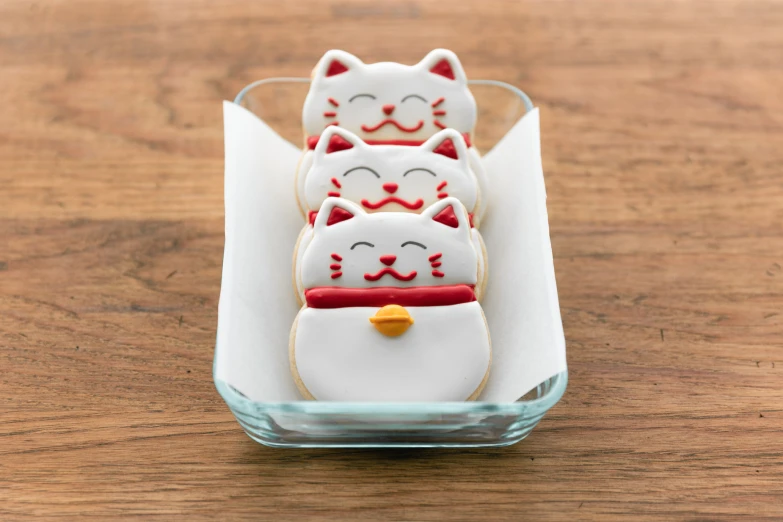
pixel 392 320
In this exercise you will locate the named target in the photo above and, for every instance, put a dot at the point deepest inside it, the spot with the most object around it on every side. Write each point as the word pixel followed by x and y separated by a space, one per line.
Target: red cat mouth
pixel 392 272
pixel 394 122
pixel 391 199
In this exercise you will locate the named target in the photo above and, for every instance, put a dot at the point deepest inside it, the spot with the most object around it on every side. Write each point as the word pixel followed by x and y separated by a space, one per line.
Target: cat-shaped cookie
pixel 390 311
pixel 389 178
pixel 390 103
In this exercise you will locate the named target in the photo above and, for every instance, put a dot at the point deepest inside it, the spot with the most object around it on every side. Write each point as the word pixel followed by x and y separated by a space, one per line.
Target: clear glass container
pixel 306 424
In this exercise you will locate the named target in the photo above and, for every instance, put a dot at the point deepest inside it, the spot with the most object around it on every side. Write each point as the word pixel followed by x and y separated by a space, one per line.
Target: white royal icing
pixel 338 353
pixel 307 235
pixel 382 101
pixel 443 356
pixel 384 178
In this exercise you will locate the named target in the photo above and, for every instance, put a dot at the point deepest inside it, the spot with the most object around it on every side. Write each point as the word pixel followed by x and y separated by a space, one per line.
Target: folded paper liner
pixel 257 302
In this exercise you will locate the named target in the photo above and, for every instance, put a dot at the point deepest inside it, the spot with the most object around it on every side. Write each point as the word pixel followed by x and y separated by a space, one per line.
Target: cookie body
pixel 443 356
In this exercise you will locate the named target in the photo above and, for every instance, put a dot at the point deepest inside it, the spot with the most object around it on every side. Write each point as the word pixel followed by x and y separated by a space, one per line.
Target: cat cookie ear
pixel 334 63
pixel 335 139
pixel 448 212
pixel 449 143
pixel 445 63
pixel 334 211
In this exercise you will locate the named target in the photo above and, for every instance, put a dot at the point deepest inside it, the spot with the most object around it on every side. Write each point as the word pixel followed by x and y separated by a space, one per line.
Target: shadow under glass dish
pixel 278 101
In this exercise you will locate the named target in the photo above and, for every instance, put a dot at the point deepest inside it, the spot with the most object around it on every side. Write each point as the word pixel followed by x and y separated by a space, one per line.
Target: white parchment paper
pixel 257 302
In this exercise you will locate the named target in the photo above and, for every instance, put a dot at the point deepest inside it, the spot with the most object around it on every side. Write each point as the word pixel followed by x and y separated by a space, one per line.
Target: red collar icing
pixel 337 297
pixel 311 214
pixel 312 141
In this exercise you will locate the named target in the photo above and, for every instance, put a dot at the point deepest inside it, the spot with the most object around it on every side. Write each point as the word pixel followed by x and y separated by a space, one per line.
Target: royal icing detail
pixel 388 101
pixel 388 177
pixel 389 328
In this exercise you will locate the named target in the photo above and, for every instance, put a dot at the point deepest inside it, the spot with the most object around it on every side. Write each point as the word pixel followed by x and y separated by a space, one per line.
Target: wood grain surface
pixel 662 127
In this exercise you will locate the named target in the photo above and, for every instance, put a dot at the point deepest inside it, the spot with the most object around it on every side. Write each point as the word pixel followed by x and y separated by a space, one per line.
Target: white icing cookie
pixel 390 313
pixel 389 178
pixel 389 101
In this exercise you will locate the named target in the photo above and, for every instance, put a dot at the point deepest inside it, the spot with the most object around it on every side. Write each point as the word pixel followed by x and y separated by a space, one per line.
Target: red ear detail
pixel 338 143
pixel 335 68
pixel 442 68
pixel 447 217
pixel 338 215
pixel 446 148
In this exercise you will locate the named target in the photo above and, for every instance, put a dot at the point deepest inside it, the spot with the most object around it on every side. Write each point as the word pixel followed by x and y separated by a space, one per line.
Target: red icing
pixel 336 275
pixel 338 143
pixel 337 67
pixel 441 185
pixel 337 183
pixel 470 220
pixel 333 102
pixel 391 121
pixel 391 199
pixel 336 266
pixel 333 194
pixel 439 124
pixel 434 257
pixel 443 68
pixel 337 257
pixel 436 264
pixel 336 297
pixel 439 113
pixel 311 216
pixel 392 272
pixel 312 141
pixel 447 217
pixel 391 188
pixel 443 195
pixel 338 215
pixel 332 114
pixel 438 273
pixel 388 109
pixel 447 148
pixel 438 102
pixel 388 259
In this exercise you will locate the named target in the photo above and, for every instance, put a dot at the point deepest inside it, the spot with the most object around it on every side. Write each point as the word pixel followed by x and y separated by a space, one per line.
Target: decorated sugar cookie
pixel 391 313
pixel 389 178
pixel 390 103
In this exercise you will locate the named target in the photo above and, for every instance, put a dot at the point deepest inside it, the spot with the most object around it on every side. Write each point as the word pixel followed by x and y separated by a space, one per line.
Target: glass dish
pixel 336 424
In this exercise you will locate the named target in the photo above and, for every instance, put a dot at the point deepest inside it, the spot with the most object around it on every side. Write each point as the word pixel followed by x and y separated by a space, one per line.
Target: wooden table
pixel 662 127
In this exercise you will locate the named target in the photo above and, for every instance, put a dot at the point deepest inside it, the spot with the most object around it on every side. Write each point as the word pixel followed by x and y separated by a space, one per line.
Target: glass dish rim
pixel 553 388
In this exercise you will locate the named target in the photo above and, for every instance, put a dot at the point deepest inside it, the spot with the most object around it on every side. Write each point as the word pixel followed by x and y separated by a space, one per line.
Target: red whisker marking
pixel 439 113
pixel 336 183
pixel 437 124
pixel 331 114
pixel 333 102
pixel 336 275
pixel 436 264
pixel 438 102
pixel 333 123
pixel 434 257
pixel 438 273
pixel 336 266
pixel 442 184
pixel 443 195
pixel 333 194
pixel 337 257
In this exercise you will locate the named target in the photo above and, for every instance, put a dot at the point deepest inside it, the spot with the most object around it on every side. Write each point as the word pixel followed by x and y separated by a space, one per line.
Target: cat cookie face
pixel 353 249
pixel 383 178
pixel 389 101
